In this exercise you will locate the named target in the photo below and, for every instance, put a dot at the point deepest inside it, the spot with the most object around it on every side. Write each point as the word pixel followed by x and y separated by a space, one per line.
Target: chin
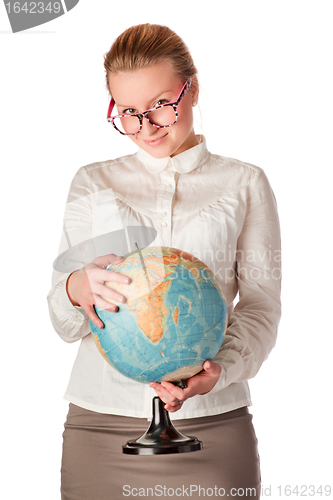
pixel 167 148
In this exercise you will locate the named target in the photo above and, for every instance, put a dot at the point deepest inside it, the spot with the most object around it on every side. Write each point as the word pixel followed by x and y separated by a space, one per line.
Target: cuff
pixel 232 366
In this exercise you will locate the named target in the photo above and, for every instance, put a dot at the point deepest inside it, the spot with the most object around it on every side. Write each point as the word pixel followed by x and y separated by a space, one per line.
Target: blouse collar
pixel 183 163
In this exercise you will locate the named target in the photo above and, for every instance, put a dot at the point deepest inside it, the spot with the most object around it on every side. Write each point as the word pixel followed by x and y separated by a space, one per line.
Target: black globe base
pixel 161 436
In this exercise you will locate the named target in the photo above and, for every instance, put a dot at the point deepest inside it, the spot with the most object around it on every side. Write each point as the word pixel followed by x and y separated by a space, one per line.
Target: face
pixel 142 89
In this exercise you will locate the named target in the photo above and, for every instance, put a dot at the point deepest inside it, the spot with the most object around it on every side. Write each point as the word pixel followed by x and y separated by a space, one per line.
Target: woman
pixel 221 210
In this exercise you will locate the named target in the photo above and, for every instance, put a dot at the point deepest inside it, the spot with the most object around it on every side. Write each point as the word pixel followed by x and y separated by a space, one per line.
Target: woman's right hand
pixel 85 287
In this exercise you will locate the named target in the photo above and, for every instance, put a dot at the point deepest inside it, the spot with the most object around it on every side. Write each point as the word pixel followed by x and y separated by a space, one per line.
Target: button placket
pixel 164 209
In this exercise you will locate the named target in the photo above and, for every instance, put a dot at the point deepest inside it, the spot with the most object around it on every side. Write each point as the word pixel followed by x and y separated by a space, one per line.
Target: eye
pixel 128 111
pixel 160 102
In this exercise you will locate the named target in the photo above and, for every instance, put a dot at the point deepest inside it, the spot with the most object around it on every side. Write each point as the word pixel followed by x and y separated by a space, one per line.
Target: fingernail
pixel 126 280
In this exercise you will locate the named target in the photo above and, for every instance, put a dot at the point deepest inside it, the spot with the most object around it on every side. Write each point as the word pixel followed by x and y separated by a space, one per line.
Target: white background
pixel 265 70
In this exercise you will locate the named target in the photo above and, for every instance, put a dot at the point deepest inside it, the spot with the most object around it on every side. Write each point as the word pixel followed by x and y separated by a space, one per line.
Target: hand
pixel 85 287
pixel 201 383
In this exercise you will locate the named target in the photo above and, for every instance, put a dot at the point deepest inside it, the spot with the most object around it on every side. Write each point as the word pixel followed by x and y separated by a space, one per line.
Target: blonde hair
pixel 147 44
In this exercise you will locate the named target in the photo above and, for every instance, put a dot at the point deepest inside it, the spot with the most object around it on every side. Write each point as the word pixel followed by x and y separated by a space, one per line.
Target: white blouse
pixel 219 209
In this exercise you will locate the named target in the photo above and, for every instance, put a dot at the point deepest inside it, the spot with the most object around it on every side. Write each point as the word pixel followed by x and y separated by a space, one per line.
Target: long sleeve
pixel 252 326
pixel 219 209
pixel 70 322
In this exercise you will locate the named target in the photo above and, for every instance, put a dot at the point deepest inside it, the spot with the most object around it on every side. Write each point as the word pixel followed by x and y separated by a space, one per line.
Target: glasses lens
pixel 128 124
pixel 163 116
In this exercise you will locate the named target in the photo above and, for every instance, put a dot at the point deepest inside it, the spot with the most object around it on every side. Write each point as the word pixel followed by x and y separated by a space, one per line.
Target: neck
pixel 190 142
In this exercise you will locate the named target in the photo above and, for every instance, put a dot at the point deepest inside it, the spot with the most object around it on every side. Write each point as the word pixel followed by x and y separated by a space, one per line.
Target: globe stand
pixel 161 436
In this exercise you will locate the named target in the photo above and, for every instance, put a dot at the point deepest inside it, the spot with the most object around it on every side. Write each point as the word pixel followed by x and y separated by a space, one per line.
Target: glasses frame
pixel 140 116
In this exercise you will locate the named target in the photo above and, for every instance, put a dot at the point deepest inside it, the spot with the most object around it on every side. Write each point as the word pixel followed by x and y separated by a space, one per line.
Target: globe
pixel 173 320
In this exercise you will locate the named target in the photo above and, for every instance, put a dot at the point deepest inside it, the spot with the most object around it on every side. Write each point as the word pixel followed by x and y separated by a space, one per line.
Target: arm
pixel 252 326
pixel 70 322
pixel 73 295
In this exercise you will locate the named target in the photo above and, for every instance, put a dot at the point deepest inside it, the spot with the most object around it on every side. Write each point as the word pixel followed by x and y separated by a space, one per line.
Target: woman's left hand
pixel 201 383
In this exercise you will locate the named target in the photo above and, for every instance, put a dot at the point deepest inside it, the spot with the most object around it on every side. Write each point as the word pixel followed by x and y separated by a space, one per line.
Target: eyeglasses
pixel 161 116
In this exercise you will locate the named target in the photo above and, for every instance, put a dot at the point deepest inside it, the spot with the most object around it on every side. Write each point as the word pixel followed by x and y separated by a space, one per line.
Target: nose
pixel 148 129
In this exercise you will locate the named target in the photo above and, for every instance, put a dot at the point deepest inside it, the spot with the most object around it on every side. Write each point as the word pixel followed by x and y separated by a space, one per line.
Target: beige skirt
pixel 94 467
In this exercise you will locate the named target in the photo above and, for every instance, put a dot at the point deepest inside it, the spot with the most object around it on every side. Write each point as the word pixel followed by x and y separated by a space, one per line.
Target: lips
pixel 155 142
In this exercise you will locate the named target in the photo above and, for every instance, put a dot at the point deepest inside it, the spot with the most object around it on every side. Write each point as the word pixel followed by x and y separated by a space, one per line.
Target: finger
pixel 176 391
pixel 104 304
pixel 116 277
pixel 109 294
pixel 98 278
pixel 90 311
pixel 106 260
pixel 166 395
pixel 211 368
pixel 172 409
pixel 99 275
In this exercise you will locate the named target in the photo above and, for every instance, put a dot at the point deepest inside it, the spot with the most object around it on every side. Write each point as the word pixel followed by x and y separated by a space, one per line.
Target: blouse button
pixel 164 214
pixel 164 224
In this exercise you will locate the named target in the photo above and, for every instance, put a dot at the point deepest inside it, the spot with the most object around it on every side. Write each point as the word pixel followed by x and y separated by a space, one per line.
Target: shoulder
pixel 250 179
pixel 226 175
pixel 103 171
pixel 235 173
pixel 100 175
pixel 108 165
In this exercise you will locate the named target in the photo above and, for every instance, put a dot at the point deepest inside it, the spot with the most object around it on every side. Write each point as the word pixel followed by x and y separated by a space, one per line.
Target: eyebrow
pixel 159 94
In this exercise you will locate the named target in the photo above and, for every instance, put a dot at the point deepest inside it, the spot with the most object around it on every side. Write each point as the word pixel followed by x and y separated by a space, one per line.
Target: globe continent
pixel 174 317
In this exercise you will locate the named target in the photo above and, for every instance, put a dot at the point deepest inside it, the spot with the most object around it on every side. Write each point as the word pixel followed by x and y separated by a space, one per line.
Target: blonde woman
pixel 223 211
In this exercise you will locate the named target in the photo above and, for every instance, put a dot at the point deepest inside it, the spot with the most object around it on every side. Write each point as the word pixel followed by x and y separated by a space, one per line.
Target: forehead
pixel 140 86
